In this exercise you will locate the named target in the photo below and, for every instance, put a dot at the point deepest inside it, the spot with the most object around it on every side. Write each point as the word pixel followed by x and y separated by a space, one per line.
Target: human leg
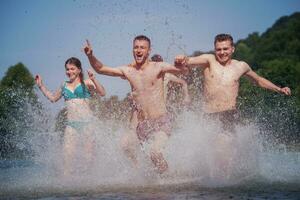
pixel 129 140
pixel 224 141
pixel 89 144
pixel 224 153
pixel 69 146
pixel 129 144
pixel 157 144
pixel 155 132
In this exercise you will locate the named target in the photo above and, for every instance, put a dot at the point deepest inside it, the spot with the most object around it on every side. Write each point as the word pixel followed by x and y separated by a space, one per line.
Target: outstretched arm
pixel 168 68
pixel 98 65
pixel 199 61
pixel 96 85
pixel 52 97
pixel 173 78
pixel 264 83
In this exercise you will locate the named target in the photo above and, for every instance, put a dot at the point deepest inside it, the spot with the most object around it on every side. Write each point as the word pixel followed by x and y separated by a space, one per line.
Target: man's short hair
pixel 223 37
pixel 157 58
pixel 143 37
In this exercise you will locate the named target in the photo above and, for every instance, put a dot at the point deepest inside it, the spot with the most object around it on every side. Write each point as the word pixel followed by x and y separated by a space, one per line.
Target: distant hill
pixel 276 52
pixel 281 41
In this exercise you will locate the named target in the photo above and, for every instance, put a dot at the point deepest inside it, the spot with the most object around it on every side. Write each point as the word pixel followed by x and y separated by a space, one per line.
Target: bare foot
pixel 159 162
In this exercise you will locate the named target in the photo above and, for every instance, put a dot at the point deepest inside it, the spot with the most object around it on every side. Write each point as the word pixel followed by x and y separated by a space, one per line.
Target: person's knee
pixel 127 145
pixel 158 144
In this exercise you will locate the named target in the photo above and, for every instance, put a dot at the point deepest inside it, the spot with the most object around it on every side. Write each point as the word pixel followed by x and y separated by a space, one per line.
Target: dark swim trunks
pixel 148 127
pixel 228 118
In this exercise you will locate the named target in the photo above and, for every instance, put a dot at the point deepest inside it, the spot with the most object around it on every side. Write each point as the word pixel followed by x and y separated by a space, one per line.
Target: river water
pixel 259 170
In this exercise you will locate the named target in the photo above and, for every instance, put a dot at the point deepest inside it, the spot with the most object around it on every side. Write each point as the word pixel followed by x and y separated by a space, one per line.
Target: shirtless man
pixel 221 86
pixel 146 80
pixel 129 140
pixel 222 75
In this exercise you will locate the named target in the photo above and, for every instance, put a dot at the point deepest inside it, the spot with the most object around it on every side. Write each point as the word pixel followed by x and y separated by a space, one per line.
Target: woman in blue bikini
pixel 76 93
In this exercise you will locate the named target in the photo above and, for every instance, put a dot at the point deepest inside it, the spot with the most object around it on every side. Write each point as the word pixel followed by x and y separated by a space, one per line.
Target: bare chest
pixel 142 80
pixel 223 75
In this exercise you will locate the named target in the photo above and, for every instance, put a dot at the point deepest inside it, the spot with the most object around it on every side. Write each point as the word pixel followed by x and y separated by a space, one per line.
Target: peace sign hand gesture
pixel 88 48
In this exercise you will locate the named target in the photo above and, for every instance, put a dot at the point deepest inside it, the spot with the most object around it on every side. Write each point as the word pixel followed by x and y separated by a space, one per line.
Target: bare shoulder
pixel 61 86
pixel 242 64
pixel 126 69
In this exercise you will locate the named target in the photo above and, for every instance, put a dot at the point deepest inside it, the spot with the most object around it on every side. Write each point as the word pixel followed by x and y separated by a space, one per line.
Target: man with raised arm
pixel 221 79
pixel 221 86
pixel 146 80
pixel 129 140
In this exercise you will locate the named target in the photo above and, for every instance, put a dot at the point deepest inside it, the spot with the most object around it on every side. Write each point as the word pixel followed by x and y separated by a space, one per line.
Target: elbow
pixel 53 100
pixel 261 84
pixel 258 82
pixel 97 69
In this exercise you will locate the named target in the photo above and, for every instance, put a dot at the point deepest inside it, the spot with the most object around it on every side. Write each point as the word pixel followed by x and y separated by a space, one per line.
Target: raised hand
pixel 88 48
pixel 38 80
pixel 91 74
pixel 181 60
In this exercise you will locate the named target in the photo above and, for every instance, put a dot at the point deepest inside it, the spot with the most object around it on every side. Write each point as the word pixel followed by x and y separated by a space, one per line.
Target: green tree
pixel 18 103
pixel 245 49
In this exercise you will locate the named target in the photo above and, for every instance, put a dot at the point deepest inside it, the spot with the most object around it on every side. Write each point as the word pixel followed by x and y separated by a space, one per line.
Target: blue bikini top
pixel 80 92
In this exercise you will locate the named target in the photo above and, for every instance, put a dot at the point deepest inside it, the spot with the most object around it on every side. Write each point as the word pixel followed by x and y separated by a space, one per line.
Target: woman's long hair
pixel 76 62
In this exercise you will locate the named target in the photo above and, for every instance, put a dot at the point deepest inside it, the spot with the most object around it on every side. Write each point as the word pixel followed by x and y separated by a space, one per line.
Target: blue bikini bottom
pixel 77 125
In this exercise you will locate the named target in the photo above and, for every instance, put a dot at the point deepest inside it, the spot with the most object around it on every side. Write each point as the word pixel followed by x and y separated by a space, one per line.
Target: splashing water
pixel 191 153
pixel 174 48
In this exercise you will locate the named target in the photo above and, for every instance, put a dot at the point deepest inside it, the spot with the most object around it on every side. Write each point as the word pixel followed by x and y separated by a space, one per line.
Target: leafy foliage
pixel 17 100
